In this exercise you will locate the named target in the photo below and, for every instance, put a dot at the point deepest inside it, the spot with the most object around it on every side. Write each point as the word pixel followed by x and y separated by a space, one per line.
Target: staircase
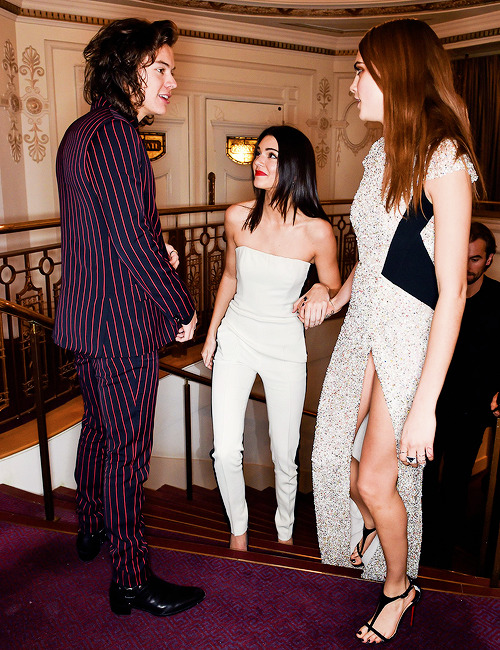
pixel 199 526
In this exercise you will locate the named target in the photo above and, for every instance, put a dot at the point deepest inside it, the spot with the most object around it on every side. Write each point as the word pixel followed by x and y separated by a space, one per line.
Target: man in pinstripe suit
pixel 121 300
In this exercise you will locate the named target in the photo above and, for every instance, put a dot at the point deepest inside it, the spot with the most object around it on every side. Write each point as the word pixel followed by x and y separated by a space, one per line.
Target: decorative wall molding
pixel 251 10
pixel 373 132
pixel 322 122
pixel 34 105
pixel 11 101
pixel 31 104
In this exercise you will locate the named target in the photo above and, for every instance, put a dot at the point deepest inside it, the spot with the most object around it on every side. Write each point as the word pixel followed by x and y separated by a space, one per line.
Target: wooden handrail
pixel 205 381
pixel 38 224
pixel 36 321
pixel 13 309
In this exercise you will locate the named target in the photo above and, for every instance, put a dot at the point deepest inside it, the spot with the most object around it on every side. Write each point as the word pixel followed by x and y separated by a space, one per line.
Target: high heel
pixel 385 600
pixel 360 546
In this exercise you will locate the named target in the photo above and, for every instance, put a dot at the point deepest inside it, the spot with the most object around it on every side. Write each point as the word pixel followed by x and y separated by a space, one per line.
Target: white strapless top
pixel 261 311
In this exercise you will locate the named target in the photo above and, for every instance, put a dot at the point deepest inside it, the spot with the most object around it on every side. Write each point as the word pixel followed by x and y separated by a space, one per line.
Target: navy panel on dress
pixel 408 264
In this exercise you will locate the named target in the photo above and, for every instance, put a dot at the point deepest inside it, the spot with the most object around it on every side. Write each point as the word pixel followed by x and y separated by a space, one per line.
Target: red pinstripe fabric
pixel 120 301
pixel 113 455
pixel 119 294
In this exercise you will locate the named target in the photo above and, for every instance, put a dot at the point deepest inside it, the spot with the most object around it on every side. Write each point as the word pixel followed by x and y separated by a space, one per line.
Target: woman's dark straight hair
pixel 115 56
pixel 296 187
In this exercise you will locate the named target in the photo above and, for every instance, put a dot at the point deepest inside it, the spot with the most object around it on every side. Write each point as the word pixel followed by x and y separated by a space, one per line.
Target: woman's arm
pixel 227 286
pixel 344 295
pixel 313 306
pixel 452 199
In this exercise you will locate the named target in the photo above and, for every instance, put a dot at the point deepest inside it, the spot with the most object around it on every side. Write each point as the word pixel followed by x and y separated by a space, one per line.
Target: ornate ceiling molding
pixel 361 10
pixel 217 8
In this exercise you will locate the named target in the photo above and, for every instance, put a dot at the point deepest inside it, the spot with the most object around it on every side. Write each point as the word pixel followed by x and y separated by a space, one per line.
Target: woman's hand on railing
pixel 208 351
pixel 173 256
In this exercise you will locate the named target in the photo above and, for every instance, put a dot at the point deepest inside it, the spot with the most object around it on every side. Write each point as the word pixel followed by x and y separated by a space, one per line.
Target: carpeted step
pixel 198 526
pixel 206 504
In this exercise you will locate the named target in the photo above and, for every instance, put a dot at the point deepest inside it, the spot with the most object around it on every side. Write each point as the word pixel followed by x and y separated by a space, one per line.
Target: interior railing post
pixel 41 424
pixel 491 533
pixel 187 433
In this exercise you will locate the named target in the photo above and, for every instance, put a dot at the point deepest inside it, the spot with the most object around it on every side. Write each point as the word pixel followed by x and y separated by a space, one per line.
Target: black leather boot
pixel 155 596
pixel 88 545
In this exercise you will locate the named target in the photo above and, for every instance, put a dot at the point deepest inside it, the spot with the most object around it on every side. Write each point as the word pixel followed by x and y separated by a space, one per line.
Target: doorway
pixel 227 181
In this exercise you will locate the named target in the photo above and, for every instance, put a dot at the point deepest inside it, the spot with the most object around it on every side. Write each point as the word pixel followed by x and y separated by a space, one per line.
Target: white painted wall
pixel 312 89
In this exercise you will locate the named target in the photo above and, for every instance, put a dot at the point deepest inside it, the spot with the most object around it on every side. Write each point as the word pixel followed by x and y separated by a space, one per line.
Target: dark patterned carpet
pixel 49 599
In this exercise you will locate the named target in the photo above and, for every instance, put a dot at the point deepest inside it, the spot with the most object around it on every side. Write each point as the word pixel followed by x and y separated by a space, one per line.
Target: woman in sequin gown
pixel 407 294
pixel 271 242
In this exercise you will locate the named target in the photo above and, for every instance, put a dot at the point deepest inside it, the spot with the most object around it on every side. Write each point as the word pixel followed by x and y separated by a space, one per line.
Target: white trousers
pixel 235 367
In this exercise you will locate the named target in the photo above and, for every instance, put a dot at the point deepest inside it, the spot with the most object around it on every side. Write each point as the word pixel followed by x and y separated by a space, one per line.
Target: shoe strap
pixel 385 600
pixel 366 532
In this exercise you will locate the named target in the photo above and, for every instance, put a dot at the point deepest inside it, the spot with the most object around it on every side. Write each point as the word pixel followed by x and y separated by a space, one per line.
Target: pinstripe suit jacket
pixel 119 294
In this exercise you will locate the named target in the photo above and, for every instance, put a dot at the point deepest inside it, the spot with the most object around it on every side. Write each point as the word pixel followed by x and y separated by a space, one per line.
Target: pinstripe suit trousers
pixel 114 450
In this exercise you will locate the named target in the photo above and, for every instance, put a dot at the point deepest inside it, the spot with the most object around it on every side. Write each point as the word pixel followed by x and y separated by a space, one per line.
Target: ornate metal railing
pixel 30 277
pixel 34 326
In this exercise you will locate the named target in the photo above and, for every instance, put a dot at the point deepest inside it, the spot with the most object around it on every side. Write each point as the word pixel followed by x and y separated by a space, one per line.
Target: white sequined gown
pixel 388 320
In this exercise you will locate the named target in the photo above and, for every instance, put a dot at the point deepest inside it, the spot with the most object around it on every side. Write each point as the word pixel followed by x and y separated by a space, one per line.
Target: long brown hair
pixel 421 108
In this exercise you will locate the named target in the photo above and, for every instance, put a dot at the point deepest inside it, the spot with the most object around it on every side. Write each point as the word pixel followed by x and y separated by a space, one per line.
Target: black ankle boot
pixel 155 596
pixel 88 545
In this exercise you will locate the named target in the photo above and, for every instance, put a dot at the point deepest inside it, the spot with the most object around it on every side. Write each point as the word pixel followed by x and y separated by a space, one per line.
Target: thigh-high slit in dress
pixel 394 293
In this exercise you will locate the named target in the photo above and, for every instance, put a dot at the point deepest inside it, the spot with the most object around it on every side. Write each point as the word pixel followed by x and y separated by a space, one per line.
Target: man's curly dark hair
pixel 115 56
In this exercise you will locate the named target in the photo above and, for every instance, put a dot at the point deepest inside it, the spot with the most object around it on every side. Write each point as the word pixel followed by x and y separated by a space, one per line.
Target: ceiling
pixel 465 25
pixel 458 21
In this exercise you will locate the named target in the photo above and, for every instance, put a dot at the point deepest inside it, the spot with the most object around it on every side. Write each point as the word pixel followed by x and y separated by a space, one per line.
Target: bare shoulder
pixel 319 230
pixel 237 213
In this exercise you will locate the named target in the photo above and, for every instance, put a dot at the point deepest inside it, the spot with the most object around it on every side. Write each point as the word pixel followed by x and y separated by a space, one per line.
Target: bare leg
pixel 364 407
pixel 378 472
pixel 238 542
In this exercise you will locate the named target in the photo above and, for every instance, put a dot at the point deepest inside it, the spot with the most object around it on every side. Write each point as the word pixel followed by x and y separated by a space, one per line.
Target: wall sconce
pixel 240 149
pixel 155 143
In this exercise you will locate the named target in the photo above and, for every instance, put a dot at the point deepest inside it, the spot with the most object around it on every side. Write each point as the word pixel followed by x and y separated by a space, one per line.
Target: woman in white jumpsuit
pixel 255 328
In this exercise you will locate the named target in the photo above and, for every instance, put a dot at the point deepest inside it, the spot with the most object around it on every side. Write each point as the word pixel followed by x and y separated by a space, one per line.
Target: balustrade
pixel 30 277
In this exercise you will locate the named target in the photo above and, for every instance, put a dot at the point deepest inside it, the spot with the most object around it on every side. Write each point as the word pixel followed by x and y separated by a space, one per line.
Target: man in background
pixel 464 409
pixel 121 300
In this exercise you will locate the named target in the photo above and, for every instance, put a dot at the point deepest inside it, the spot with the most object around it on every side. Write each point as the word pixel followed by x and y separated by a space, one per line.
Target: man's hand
pixel 186 332
pixel 173 256
pixel 495 406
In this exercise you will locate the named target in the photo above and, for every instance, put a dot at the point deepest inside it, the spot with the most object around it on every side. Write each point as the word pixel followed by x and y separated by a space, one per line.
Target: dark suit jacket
pixel 119 294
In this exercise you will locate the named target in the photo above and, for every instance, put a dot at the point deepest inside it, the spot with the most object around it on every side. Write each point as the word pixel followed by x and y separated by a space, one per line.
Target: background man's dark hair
pixel 115 56
pixel 480 231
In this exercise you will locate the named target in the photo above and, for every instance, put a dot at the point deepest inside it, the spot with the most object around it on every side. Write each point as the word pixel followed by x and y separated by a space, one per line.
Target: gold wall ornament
pixel 11 102
pixel 155 143
pixel 373 131
pixel 322 123
pixel 34 106
pixel 240 149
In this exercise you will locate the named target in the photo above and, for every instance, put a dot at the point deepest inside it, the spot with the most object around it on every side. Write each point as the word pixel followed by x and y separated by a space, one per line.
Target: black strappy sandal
pixel 385 600
pixel 360 546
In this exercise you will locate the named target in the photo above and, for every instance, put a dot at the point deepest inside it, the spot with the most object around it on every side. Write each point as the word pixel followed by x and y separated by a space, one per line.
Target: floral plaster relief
pixel 11 102
pixel 322 122
pixel 354 134
pixel 32 104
